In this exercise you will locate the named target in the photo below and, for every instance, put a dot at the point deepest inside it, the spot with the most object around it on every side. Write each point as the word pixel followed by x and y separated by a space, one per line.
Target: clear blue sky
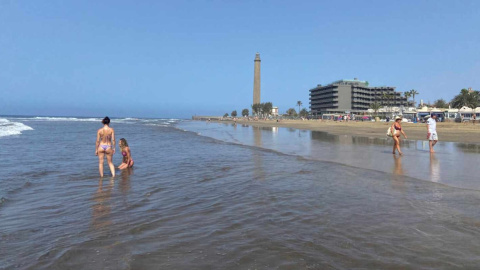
pixel 180 58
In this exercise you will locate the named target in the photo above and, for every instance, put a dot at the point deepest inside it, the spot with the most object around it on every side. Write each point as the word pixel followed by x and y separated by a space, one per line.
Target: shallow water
pixel 453 164
pixel 230 198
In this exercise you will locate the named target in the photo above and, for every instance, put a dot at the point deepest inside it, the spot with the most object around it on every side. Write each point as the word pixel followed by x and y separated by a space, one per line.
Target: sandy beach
pixel 447 131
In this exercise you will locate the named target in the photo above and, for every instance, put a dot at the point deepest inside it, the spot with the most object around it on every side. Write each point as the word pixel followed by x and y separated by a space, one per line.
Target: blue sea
pixel 223 196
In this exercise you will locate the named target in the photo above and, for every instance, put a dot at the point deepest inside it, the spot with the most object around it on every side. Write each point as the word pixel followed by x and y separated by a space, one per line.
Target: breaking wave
pixel 8 128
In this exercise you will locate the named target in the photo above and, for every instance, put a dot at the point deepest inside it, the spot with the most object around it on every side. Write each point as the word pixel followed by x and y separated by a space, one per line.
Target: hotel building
pixel 352 96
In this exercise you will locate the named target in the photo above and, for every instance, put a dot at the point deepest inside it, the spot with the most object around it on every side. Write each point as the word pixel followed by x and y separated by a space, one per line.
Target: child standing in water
pixel 127 156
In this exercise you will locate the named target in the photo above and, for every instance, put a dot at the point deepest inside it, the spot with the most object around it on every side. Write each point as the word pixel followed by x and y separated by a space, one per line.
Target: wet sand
pixel 447 131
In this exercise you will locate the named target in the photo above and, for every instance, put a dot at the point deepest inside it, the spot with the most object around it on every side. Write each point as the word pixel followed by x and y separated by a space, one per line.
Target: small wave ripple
pixel 8 128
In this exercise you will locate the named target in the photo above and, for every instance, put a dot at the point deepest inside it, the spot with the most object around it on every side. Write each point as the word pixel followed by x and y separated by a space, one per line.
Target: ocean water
pixel 220 196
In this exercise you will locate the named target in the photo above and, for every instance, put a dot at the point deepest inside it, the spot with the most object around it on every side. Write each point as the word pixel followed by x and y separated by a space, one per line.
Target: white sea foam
pixel 75 119
pixel 160 121
pixel 121 120
pixel 149 120
pixel 128 120
pixel 8 128
pixel 42 118
pixel 158 125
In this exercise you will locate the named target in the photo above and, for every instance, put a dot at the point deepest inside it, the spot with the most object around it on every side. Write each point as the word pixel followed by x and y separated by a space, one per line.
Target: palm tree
pixel 299 104
pixel 375 106
pixel 414 92
pixel 385 99
pixel 388 99
pixel 461 99
pixel 407 94
pixel 391 97
pixel 473 101
pixel 466 98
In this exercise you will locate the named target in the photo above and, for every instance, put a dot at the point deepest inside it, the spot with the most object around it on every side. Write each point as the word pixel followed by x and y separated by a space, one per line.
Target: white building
pixel 274 111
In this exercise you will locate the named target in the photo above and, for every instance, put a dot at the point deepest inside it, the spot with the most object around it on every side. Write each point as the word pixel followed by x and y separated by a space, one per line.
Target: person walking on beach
pixel 432 131
pixel 127 155
pixel 397 130
pixel 105 146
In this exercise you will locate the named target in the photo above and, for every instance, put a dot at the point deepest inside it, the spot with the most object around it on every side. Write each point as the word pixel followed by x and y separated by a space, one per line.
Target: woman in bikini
pixel 105 146
pixel 127 156
pixel 396 132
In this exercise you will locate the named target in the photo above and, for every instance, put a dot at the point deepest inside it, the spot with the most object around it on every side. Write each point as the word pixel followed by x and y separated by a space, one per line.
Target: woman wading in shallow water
pixel 105 146
pixel 396 130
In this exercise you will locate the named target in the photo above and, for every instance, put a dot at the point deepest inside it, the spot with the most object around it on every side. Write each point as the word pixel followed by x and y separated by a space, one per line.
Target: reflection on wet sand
pixel 369 141
pixel 258 172
pixel 302 132
pixel 348 139
pixel 101 209
pixel 468 147
pixel 324 136
pixel 425 146
pixel 125 180
pixel 397 169
pixel 434 168
pixel 398 181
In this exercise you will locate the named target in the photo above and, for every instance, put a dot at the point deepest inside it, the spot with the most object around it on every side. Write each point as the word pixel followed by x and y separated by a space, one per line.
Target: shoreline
pixel 447 131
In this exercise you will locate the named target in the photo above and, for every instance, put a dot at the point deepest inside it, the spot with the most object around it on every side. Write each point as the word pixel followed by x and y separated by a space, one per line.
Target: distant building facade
pixel 352 95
